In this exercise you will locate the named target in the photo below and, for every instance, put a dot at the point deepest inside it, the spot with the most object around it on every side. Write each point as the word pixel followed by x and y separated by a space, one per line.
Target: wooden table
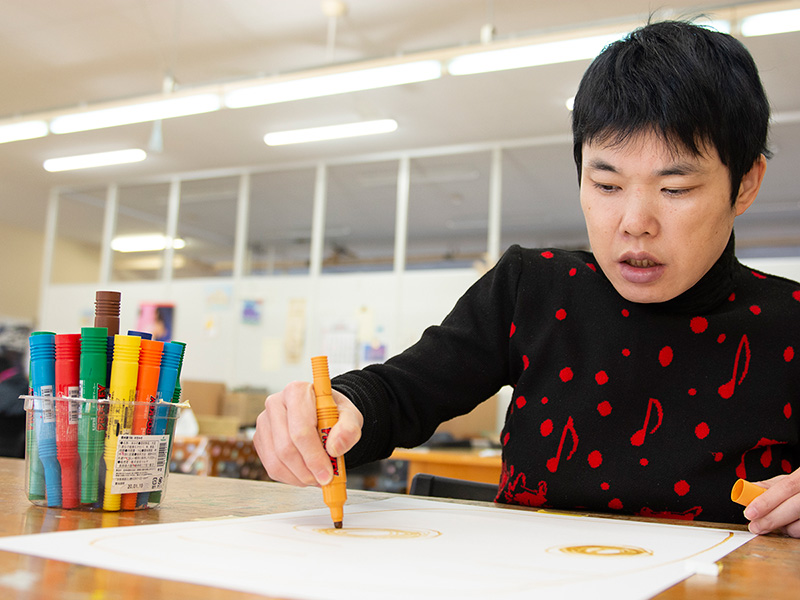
pixel 766 567
pixel 464 463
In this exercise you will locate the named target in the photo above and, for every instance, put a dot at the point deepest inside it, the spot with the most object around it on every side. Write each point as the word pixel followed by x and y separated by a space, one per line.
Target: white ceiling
pixel 74 52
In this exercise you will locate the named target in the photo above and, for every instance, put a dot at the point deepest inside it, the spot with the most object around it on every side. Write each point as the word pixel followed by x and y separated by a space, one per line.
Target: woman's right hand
pixel 287 440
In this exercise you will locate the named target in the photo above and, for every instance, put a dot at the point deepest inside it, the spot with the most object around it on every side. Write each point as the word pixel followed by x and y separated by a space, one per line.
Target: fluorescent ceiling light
pixel 25 130
pixel 530 56
pixel 101 159
pixel 338 83
pixel 769 23
pixel 330 132
pixel 145 243
pixel 136 113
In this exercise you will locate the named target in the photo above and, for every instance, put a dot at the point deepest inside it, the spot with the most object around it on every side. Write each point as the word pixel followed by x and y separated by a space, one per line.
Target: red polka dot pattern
pixel 665 356
pixel 682 488
pixel 612 358
pixel 604 408
pixel 698 324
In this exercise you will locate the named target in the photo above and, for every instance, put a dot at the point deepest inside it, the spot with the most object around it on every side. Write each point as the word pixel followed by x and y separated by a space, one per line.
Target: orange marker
pixel 744 492
pixel 334 493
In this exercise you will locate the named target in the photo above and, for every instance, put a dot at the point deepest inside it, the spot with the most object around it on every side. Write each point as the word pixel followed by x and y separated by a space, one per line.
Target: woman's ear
pixel 751 183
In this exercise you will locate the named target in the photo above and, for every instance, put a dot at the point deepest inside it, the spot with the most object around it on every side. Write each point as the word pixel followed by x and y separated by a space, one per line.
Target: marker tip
pixel 337 524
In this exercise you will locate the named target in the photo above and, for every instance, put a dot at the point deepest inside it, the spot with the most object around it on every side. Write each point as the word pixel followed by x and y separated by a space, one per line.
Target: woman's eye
pixel 604 187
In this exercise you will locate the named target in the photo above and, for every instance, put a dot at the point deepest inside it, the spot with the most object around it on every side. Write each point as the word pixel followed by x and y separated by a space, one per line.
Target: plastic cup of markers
pixel 96 470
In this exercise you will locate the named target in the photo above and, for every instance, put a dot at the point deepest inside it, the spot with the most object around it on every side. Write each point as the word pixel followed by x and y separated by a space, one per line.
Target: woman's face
pixel 658 218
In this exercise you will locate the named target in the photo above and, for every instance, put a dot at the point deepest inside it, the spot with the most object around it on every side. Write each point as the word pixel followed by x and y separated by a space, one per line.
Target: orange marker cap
pixel 744 492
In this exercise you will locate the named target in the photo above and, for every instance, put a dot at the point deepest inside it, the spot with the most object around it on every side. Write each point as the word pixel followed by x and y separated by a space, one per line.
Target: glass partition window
pixel 206 227
pixel 534 213
pixel 279 223
pixel 448 211
pixel 141 217
pixel 79 236
pixel 360 217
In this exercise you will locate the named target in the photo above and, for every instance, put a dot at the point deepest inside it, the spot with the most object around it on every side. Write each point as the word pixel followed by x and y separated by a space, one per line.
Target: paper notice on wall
pixel 294 339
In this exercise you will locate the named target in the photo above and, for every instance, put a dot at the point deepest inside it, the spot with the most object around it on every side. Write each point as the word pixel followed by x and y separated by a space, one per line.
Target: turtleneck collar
pixel 714 287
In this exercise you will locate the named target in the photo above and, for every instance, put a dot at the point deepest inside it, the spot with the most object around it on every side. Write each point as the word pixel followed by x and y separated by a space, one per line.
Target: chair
pixel 424 484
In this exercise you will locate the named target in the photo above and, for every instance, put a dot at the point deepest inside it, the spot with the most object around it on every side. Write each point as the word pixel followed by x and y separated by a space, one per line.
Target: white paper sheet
pixel 402 548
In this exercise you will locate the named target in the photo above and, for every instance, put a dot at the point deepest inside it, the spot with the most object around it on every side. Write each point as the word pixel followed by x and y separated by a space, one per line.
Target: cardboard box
pixel 480 423
pixel 217 425
pixel 244 405
pixel 205 397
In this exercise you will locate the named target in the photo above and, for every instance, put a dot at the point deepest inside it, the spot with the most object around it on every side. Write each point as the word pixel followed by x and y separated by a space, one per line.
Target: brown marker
pixel 106 311
pixel 334 493
pixel 744 492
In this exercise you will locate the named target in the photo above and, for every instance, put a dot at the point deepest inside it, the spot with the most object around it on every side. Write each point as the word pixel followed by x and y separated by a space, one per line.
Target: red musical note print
pixel 637 439
pixel 552 463
pixel 516 492
pixel 726 389
pixel 766 457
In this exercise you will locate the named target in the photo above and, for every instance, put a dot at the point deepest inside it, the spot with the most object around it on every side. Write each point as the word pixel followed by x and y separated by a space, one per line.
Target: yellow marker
pixel 334 493
pixel 744 492
pixel 122 394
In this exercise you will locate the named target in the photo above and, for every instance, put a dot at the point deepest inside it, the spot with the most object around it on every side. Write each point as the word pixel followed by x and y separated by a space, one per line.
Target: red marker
pixel 68 354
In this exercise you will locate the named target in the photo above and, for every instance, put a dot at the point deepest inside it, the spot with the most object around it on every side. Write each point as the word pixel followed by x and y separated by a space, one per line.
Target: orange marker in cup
pixel 744 492
pixel 334 493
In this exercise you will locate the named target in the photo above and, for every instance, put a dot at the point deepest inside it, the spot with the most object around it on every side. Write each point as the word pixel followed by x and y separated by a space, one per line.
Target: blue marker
pixel 43 378
pixel 167 378
pixel 155 497
pixel 35 469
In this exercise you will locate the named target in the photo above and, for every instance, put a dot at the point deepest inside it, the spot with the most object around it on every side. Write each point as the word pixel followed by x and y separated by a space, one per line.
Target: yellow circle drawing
pixel 602 550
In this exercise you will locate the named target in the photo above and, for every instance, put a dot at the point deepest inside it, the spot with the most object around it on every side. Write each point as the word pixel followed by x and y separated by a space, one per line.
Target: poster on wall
pixel 156 318
pixel 251 312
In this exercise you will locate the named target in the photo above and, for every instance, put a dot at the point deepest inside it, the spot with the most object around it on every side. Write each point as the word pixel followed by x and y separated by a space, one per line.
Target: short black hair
pixel 689 84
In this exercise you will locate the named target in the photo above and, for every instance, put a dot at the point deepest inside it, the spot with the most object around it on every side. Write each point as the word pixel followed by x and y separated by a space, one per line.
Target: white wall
pixel 785 267
pixel 222 348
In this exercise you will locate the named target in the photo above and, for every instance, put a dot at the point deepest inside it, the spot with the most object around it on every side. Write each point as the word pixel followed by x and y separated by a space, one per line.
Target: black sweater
pixel 651 409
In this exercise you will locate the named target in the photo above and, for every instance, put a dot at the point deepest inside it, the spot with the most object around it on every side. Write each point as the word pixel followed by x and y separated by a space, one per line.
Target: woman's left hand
pixel 778 508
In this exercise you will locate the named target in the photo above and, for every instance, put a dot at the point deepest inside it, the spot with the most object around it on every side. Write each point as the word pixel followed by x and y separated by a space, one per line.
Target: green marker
pixel 93 416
